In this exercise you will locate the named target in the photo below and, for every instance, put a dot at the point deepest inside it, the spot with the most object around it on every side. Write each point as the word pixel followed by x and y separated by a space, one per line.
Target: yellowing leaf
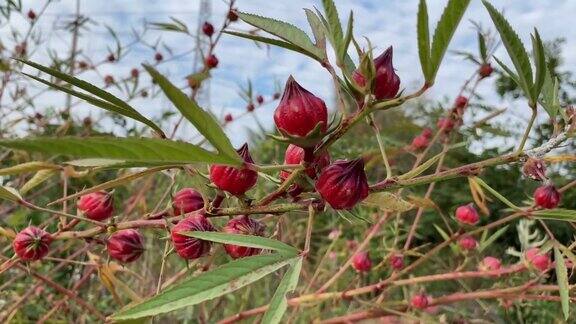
pixel 560 158
pixel 422 202
pixel 478 195
pixel 388 201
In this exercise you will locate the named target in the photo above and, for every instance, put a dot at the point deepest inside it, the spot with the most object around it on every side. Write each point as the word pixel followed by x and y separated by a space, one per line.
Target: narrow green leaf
pixel 208 285
pixel 421 168
pixel 203 121
pixel 335 28
pixel 116 104
pixel 446 237
pixel 38 178
pixel 10 194
pixel 423 39
pixel 387 201
pixel 567 215
pixel 27 167
pixel 541 69
pixel 285 31
pixel 317 28
pixel 343 50
pixel 482 48
pixel 509 71
pixel 563 284
pixel 550 100
pixel 271 41
pixel 496 194
pixel 515 49
pixel 140 151
pixel 486 243
pixel 445 29
pixel 244 240
pixel 279 303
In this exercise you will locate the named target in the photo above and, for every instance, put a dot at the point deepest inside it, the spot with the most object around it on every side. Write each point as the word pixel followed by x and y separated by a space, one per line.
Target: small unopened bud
pixel 125 245
pixel 537 259
pixel 397 261
pixel 32 243
pixel 208 29
pixel 485 70
pixel 467 214
pixel 158 57
pixel 190 247
pixel 490 263
pixel 211 61
pixel 547 196
pixel 535 169
pixel 97 205
pixel 235 180
pixel 361 262
pixel 467 243
pixel 246 226
pixel 343 184
pixel 186 201
pixel 420 301
pixel 31 14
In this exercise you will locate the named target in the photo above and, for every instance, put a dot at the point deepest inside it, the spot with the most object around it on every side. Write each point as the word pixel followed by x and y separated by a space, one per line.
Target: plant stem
pixel 527 131
pixel 59 213
pixel 372 123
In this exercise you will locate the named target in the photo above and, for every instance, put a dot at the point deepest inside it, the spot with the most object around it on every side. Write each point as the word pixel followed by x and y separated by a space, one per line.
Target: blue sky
pixel 385 23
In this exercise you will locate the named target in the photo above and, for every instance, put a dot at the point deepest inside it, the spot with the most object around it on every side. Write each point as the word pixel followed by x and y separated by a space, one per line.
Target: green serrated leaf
pixel 423 39
pixel 108 101
pixel 541 69
pixel 515 50
pixel 482 48
pixel 285 31
pixel 279 303
pixel 317 28
pixel 202 120
pixel 550 100
pixel 343 50
pixel 244 240
pixel 10 194
pixel 509 71
pixel 271 41
pixel 138 151
pixel 208 285
pixel 445 29
pixel 563 284
pixel 333 20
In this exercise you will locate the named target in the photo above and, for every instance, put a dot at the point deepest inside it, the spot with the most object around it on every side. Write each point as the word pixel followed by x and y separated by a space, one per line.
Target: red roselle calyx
pixel 32 243
pixel 125 245
pixel 158 57
pixel 446 125
pixel 386 82
pixel 361 262
pixel 235 180
pixel 419 142
pixel 232 15
pixel 190 247
pixel 211 61
pixel 490 263
pixel 259 99
pixel 461 102
pixel 134 73
pixel 97 205
pixel 295 155
pixel 343 184
pixel 208 29
pixel 485 70
pixel 186 201
pixel 246 226
pixel 299 111
pixel 467 243
pixel 547 196
pixel 537 259
pixel 420 301
pixel 467 214
pixel 397 261
pixel 31 14
pixel 535 169
pixel 228 118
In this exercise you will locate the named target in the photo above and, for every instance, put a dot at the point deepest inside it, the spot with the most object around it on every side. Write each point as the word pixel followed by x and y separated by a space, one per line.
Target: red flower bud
pixel 31 14
pixel 97 205
pixel 83 65
pixel 211 61
pixel 259 99
pixel 109 80
pixel 397 261
pixel 445 124
pixel 343 184
pixel 547 197
pixel 228 118
pixel 535 169
pixel 361 262
pixel 490 263
pixel 250 107
pixel 467 214
pixel 158 57
pixel 32 243
pixel 485 70
pixel 467 243
pixel 246 226
pixel 186 201
pixel 232 15
pixel 295 155
pixel 420 301
pixel 134 73
pixel 538 260
pixel 427 132
pixel 419 142
pixel 299 111
pixel 190 247
pixel 386 81
pixel 111 58
pixel 235 180
pixel 276 96
pixel 126 245
pixel 461 102
pixel 208 29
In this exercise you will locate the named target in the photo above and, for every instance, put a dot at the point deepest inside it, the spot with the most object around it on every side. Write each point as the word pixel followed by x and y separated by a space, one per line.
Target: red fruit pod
pixel 190 247
pixel 419 142
pixel 83 65
pixel 299 111
pixel 420 301
pixel 208 29
pixel 259 99
pixel 537 259
pixel 461 102
pixel 446 125
pixel 467 214
pixel 97 205
pixel 158 57
pixel 109 80
pixel 547 196
pixel 235 180
pixel 32 243
pixel 490 263
pixel 295 155
pixel 111 57
pixel 386 82
pixel 211 61
pixel 134 73
pixel 485 70
pixel 31 14
pixel 250 107
pixel 228 118
pixel 397 261
pixel 246 226
pixel 232 15
pixel 427 132
pixel 125 245
pixel 361 262
pixel 467 243
pixel 186 201
pixel 343 184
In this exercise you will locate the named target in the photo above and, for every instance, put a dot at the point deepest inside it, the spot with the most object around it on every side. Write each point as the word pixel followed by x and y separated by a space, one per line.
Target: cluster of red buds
pixel 421 141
